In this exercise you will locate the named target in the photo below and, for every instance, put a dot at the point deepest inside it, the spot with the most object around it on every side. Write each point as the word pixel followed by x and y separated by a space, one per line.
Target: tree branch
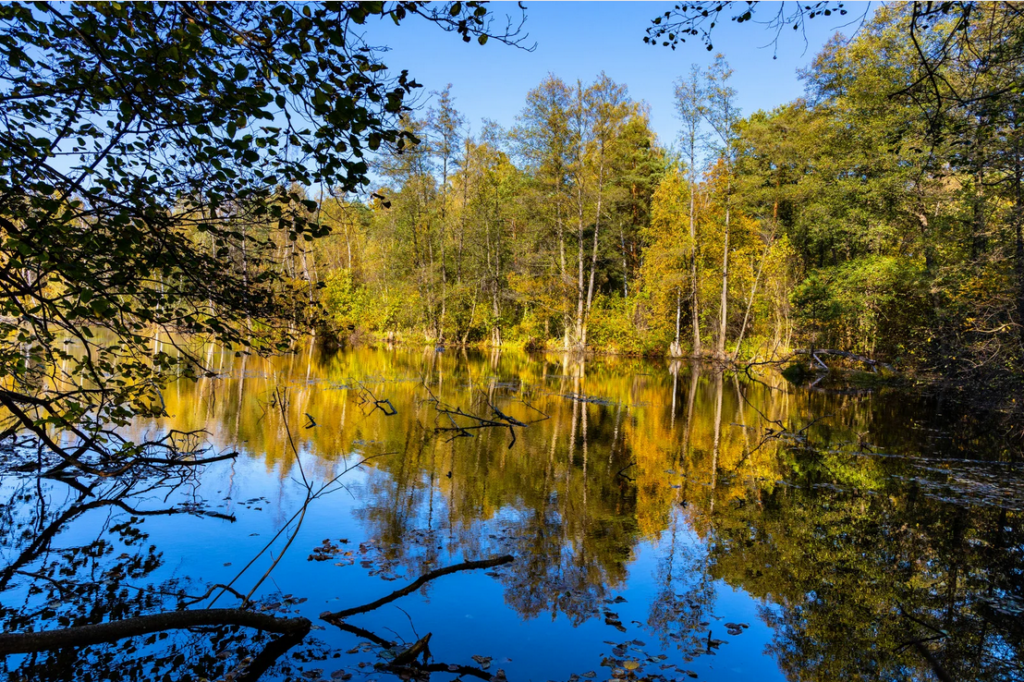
pixel 416 584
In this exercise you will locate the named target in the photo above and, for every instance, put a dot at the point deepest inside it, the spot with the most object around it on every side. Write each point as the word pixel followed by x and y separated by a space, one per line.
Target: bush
pixel 865 305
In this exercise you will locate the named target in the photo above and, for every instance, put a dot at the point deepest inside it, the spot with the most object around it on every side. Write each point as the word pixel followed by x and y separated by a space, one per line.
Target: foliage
pixel 154 160
pixel 861 304
pixel 897 182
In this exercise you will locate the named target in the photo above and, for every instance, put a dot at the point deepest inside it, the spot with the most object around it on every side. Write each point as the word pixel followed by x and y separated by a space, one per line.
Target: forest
pixel 862 217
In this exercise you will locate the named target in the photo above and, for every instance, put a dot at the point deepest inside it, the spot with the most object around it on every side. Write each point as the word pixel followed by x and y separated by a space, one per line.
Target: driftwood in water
pixel 460 670
pixel 412 667
pixel 458 430
pixel 366 397
pixel 406 661
pixel 266 658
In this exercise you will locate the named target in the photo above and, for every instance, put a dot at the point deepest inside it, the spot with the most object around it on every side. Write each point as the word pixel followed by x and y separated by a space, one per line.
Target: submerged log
pixel 100 633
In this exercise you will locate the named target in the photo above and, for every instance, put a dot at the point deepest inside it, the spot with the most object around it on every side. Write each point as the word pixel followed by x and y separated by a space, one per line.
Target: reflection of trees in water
pixel 628 445
pixel 684 603
pixel 572 529
pixel 549 575
pixel 840 566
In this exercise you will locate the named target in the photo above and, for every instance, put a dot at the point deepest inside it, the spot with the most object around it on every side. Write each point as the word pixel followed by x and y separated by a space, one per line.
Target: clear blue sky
pixel 578 40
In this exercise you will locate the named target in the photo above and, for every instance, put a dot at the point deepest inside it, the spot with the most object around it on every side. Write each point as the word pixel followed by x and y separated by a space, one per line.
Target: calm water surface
pixel 667 522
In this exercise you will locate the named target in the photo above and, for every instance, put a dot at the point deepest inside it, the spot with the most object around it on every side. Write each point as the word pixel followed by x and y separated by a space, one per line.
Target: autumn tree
pixel 722 115
pixel 690 107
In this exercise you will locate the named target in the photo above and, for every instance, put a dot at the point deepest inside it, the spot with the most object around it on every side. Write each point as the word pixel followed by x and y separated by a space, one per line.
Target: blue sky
pixel 577 40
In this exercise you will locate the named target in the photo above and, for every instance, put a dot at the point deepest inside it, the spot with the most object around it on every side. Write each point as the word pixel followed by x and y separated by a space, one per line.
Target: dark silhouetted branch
pixel 416 584
pixel 85 635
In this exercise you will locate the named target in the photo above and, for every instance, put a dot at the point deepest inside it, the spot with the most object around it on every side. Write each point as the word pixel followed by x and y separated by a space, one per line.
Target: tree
pixel 669 260
pixel 544 143
pixel 638 167
pixel 722 115
pixel 488 187
pixel 142 146
pixel 607 107
pixel 773 154
pixel 445 126
pixel 690 107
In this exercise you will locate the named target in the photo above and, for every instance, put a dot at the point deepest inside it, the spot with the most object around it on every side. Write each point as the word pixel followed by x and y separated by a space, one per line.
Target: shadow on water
pixel 666 522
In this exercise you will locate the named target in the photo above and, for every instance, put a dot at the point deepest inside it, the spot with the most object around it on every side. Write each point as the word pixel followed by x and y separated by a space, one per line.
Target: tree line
pixel 856 217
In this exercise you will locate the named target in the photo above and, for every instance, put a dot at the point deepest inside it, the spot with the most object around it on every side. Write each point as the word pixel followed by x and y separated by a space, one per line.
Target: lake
pixel 666 522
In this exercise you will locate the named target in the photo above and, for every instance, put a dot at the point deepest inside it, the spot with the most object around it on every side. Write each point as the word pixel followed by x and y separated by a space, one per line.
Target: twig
pixel 365 634
pixel 377 403
pixel 619 472
pixel 412 653
pixel 463 431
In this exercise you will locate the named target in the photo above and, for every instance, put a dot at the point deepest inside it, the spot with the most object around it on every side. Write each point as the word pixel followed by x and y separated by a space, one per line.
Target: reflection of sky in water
pixel 645 483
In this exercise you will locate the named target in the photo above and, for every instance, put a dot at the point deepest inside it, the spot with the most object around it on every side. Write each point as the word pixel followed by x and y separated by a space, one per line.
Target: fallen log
pixel 815 352
pixel 460 670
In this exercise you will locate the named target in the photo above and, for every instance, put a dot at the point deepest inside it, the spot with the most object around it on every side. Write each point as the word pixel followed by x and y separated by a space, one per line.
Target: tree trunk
pixel 625 270
pixel 348 245
pixel 444 287
pixel 717 438
pixel 1018 219
pixel 597 227
pixel 694 312
pixel 580 300
pixel 245 281
pixel 305 272
pixel 675 350
pixel 564 272
pixel 1018 225
pixel 85 635
pixel 725 286
pixel 496 286
pixel 753 292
